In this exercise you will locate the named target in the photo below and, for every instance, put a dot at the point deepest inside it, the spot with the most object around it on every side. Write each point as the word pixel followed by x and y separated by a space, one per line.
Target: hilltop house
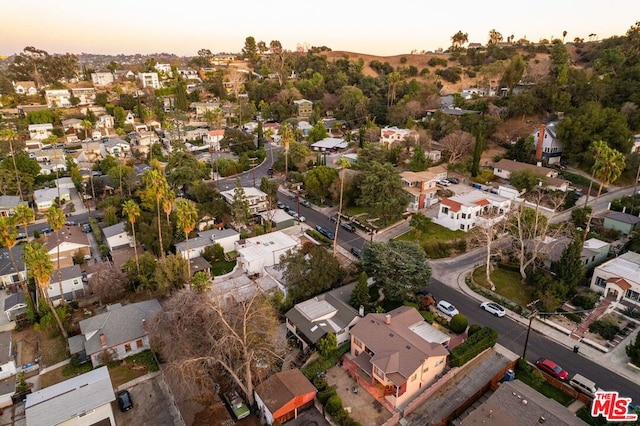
pixel 465 211
pixel 304 108
pixel 102 78
pixel 25 88
pixel 393 350
pixel 421 187
pixel 58 98
pixel 149 79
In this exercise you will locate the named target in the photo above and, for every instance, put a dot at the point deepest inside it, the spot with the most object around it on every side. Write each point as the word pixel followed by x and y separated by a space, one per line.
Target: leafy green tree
pixel 381 192
pixel 200 282
pixel 318 181
pixel 327 345
pixel 183 169
pixel 513 72
pixel 240 205
pixel 526 179
pixel 360 293
pixel 317 133
pixel 250 52
pixel 141 274
pixel 570 268
pixel 119 115
pixel 522 150
pixel 419 161
pixel 400 268
pixel 181 102
pixel 237 141
pixel 170 274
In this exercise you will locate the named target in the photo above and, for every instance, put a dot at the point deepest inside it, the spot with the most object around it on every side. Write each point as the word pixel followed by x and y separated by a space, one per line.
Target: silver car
pixel 493 308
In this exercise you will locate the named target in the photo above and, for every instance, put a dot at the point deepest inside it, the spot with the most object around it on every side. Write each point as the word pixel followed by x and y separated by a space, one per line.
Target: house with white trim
pixel 44 198
pixel 117 236
pixel 72 285
pixel 27 88
pixel 257 199
pixel 58 98
pixel 548 146
pixel 465 211
pixel 227 239
pixel 254 254
pixel 393 134
pixel 149 79
pixel 102 78
pixel 618 278
pixel 421 187
pixel 40 131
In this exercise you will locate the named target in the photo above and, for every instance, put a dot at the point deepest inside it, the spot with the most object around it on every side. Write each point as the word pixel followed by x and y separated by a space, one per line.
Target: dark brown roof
pixel 279 389
pixel 71 234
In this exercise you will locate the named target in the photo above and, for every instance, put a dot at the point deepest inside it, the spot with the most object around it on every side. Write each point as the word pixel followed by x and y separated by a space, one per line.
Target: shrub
pixel 428 316
pixel 483 339
pixel 458 323
pixel 633 351
pixel 605 329
pixel 334 405
pixel 586 300
pixel 326 394
pixel 473 328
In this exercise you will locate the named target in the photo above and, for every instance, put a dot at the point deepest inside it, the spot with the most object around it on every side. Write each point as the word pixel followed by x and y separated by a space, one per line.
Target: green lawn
pixel 221 268
pixel 433 234
pixel 508 285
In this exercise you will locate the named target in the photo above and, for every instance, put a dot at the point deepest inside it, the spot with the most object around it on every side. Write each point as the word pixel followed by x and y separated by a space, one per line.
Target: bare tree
pixel 108 283
pixel 198 333
pixel 487 232
pixel 457 144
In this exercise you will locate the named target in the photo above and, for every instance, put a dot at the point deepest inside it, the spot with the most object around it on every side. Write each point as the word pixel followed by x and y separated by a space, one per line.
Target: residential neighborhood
pixel 318 238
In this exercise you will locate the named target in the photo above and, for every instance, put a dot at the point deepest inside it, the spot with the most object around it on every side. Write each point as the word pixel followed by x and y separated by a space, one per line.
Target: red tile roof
pixel 454 206
pixel 620 282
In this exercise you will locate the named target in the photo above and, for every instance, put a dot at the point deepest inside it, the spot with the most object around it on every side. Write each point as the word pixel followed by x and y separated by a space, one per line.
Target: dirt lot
pixel 31 343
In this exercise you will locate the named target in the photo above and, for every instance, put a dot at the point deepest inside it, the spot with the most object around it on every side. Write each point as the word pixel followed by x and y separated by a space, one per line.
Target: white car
pixel 447 308
pixel 443 183
pixel 294 214
pixel 493 308
pixel 302 218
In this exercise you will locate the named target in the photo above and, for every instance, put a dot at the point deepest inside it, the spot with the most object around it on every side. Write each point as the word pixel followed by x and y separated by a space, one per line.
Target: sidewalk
pixel 616 359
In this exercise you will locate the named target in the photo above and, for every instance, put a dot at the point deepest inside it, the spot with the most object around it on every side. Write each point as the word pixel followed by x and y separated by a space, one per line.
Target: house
pixel 330 312
pixel 329 144
pixel 8 275
pixel 391 135
pixel 624 222
pixel 504 168
pixel 304 108
pixel 53 166
pixel 506 406
pixel 548 146
pixel 58 98
pixel 256 198
pixel 304 127
pixel 117 236
pixel 116 147
pixel 618 278
pixel 72 240
pixel 27 88
pixel 106 121
pixel 463 212
pixel 283 396
pixel 14 305
pixel 71 280
pixel 149 79
pixel 164 69
pixel 44 198
pixel 85 95
pixel 122 331
pixel 82 400
pixel 145 140
pixel 195 134
pixel 7 363
pixel 213 138
pixel 72 124
pixel 278 219
pixel 129 118
pixel 421 187
pixel 40 131
pixel 392 351
pixel 225 237
pixel 593 251
pixel 472 93
pixel 201 108
pixel 254 254
pixel 102 78
pixel 8 204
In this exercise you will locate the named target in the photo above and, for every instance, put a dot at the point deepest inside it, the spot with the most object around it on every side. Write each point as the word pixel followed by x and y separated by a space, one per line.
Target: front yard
pixel 437 241
pixel 508 284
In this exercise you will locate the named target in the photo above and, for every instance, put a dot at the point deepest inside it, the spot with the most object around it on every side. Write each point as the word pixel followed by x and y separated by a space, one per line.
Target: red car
pixel 552 368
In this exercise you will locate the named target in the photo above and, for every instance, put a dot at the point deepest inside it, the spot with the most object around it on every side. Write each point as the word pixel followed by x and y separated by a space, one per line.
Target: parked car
pixel 305 203
pixel 281 205
pixel 559 166
pixel 302 218
pixel 356 252
pixel 453 180
pixel 294 214
pixel 447 308
pixel 238 407
pixel 334 219
pixel 124 400
pixel 70 223
pixel 552 368
pixel 349 227
pixel 325 232
pixel 46 230
pixel 443 182
pixel 21 236
pixel 87 228
pixel 493 308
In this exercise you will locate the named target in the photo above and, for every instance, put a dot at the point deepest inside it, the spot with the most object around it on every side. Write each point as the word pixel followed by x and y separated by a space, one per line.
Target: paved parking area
pixel 151 405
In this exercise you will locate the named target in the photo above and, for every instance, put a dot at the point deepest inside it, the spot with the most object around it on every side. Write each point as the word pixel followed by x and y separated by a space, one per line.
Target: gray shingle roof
pixel 71 398
pixel 623 217
pixel 6 266
pixel 113 230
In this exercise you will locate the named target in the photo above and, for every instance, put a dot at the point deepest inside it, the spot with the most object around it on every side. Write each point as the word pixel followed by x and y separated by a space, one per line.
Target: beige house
pixel 504 168
pixel 72 240
pixel 421 187
pixel 395 351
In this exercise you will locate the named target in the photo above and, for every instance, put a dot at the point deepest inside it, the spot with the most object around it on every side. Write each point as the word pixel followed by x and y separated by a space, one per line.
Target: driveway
pixel 151 404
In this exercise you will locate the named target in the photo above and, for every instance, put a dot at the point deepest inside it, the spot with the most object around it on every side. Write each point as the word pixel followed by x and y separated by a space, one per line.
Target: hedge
pixel 485 338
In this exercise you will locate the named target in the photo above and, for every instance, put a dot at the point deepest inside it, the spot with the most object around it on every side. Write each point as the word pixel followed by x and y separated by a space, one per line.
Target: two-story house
pixel 27 88
pixel 116 147
pixel 213 138
pixel 71 240
pixel 58 98
pixel 70 279
pixel 394 351
pixel 40 131
pixel 548 146
pixel 304 108
pixel 106 121
pixel 85 95
pixel 421 187
pixel 149 79
pixel 256 198
pixel 102 78
pixel 465 211
pixel 391 135
pixel 257 253
pixel 618 278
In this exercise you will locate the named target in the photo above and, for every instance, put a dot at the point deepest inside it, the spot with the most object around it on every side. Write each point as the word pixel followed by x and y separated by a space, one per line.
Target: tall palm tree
pixel 37 259
pixel 595 149
pixel 155 186
pixel 8 239
pixel 607 170
pixel 168 201
pixel 11 135
pixel 56 219
pixel 24 215
pixel 131 210
pixel 87 125
pixel 344 163
pixel 187 214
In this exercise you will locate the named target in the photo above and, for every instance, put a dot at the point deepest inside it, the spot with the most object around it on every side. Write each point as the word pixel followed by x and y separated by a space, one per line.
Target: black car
pixel 453 180
pixel 356 252
pixel 124 400
pixel 349 227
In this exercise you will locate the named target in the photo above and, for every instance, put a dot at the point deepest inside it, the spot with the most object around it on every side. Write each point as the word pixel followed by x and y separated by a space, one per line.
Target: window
pixel 139 343
pixel 462 227
pixel 633 295
pixel 378 372
pixel 601 282
pixel 439 362
pixel 414 377
pixel 464 215
pixel 445 210
pixel 357 342
pixel 127 347
pixel 76 282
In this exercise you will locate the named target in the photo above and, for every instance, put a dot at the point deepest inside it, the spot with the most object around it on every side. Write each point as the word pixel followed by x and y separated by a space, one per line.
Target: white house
pixel 117 147
pixel 79 401
pixel 213 138
pixel 25 88
pixel 256 198
pixel 72 285
pixel 618 278
pixel 548 146
pixel 7 363
pixel 391 135
pixel 465 211
pixel 58 98
pixel 40 131
pixel 225 237
pixel 101 78
pixel 149 79
pixel 44 198
pixel 116 236
pixel 254 254
pixel 329 144
pixel 106 121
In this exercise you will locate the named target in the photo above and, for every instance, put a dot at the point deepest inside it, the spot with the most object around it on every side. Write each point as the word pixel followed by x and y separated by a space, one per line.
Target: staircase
pixel 581 329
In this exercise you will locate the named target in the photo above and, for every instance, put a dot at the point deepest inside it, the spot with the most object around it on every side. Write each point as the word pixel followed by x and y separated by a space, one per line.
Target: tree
pixel 196 334
pixel 458 323
pixel 24 215
pixel 200 282
pixel 131 210
pixel 513 72
pixel 419 161
pixel 187 214
pixel 487 232
pixel 108 283
pixel 56 219
pixel 10 135
pixel 309 272
pixel 250 52
pixel 400 268
pixel 344 163
pixel 456 145
pixel 38 261
pixel 317 133
pixel 318 181
pixel 526 179
pixel 155 185
pixel 327 345
pixel 170 274
pixel 381 192
pixel 458 40
pixel 360 294
pixel 240 205
pixel 523 148
pixel 570 268
pixel 494 37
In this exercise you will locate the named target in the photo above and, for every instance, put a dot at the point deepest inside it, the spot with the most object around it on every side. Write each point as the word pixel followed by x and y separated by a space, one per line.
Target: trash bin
pixel 509 376
pixel 576 348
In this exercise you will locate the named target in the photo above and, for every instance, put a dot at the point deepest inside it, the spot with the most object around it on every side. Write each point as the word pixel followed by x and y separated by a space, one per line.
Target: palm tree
pixel 155 185
pixel 56 219
pixel 344 163
pixel 11 135
pixel 168 200
pixel 187 213
pixel 87 125
pixel 131 210
pixel 37 259
pixel 24 216
pixel 8 236
pixel 287 138
pixel 607 170
pixel 596 149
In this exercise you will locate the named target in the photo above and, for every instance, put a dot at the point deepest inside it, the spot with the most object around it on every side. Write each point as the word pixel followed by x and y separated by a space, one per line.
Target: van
pixel 584 385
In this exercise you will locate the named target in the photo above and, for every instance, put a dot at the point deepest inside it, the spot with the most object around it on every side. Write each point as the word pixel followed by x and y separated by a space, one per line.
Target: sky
pixel 372 27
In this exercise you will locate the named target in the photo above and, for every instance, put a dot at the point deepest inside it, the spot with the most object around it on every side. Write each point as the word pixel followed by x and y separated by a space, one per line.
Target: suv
pixel 552 368
pixel 356 252
pixel 325 232
pixel 349 227
pixel 447 308
pixel 124 400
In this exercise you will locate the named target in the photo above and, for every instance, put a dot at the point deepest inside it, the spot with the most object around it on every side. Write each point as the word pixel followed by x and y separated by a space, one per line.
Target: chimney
pixel 539 143
pixel 103 340
pixel 145 329
pixel 361 310
pixel 387 319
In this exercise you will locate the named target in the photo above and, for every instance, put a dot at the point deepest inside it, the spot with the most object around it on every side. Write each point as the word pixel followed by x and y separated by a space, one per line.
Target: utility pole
pixel 531 317
pixel 253 169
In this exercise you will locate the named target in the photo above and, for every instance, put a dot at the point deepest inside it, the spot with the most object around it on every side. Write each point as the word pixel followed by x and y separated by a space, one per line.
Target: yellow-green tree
pixel 56 219
pixel 131 210
pixel 155 186
pixel 187 214
pixel 38 261
pixel 10 135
